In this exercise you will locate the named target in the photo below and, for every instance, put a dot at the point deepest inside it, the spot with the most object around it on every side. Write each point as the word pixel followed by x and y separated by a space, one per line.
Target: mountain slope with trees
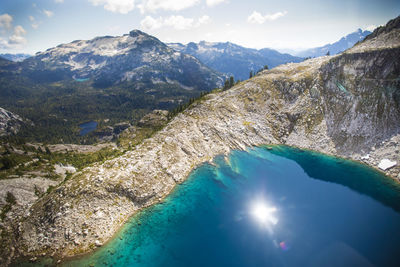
pixel 106 79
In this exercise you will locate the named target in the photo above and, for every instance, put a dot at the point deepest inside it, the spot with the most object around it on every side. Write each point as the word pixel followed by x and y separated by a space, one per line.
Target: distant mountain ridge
pixel 233 59
pixel 335 48
pixel 15 57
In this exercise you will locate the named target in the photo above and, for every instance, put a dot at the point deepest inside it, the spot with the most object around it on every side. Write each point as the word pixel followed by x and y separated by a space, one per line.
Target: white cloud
pixel 19 30
pixel 6 21
pixel 275 16
pixel 150 23
pixel 256 17
pixel 204 20
pixel 59 1
pixel 116 6
pixel 176 22
pixel 34 24
pixel 179 22
pixel 215 2
pixel 48 13
pixel 172 5
pixel 16 40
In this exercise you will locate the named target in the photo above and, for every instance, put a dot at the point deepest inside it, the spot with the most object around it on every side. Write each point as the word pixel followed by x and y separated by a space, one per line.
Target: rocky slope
pixel 344 43
pixel 346 105
pixel 9 122
pixel 232 59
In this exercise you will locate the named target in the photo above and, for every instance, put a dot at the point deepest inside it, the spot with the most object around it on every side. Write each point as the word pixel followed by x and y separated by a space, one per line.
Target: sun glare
pixel 264 213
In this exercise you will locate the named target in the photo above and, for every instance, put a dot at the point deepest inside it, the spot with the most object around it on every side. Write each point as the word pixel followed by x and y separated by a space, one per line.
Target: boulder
pixel 386 164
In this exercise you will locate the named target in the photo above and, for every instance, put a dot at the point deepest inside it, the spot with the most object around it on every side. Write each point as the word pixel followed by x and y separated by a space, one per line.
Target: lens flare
pixel 284 246
pixel 264 213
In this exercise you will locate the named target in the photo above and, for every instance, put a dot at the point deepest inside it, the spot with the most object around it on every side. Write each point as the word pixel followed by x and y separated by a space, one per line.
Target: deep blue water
pixel 87 127
pixel 279 207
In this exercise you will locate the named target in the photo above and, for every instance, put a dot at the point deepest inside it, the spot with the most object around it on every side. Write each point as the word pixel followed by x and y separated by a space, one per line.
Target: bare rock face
pixel 344 105
pixel 154 119
pixel 361 98
pixel 10 123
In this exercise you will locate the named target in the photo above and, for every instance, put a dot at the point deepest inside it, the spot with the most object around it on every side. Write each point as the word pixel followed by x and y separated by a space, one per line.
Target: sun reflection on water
pixel 264 213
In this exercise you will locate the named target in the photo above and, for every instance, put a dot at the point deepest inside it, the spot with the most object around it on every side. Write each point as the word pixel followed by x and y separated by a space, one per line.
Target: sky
pixel 30 26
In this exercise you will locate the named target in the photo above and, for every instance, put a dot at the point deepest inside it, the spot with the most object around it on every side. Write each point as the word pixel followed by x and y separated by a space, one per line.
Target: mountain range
pixel 107 78
pixel 344 105
pixel 232 59
pixel 15 57
pixel 134 57
pixel 341 45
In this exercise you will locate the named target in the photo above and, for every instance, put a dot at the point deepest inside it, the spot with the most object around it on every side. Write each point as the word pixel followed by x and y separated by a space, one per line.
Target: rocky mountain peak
pixel 390 26
pixel 110 60
pixel 384 37
pixel 136 33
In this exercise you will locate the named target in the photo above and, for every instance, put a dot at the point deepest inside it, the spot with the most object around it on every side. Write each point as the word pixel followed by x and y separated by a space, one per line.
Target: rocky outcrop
pixel 10 123
pixel 155 119
pixel 344 105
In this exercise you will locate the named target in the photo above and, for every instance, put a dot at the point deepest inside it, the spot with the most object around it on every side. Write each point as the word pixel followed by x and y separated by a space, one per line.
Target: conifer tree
pixel 231 81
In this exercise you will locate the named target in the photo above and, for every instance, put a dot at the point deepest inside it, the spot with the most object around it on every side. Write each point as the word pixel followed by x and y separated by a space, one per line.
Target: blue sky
pixel 32 26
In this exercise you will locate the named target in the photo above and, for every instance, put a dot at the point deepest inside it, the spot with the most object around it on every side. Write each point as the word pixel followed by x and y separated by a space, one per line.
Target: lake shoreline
pixel 65 259
pixel 267 148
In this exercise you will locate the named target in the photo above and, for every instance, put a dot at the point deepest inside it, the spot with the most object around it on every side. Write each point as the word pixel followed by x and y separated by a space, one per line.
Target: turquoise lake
pixel 266 207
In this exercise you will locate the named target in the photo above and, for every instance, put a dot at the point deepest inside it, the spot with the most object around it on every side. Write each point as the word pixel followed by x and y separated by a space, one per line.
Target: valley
pixel 297 104
pixel 94 131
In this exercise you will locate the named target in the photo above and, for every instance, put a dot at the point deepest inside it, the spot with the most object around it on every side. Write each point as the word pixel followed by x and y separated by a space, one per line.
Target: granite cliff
pixel 346 105
pixel 9 122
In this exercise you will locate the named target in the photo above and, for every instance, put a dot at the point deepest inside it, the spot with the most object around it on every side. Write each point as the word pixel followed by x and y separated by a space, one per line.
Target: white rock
pixel 366 157
pixel 97 243
pixel 386 164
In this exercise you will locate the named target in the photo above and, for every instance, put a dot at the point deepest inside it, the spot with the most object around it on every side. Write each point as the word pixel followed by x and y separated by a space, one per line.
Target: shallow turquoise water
pixel 279 207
